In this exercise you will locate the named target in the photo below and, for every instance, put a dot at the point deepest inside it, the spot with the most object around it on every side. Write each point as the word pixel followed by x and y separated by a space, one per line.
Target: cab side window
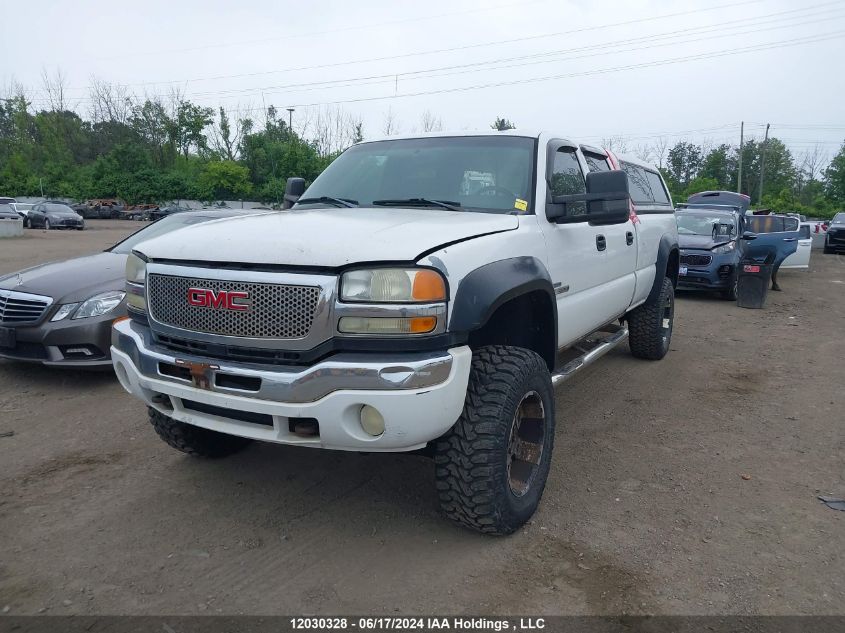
pixel 660 195
pixel 567 178
pixel 639 184
pixel 596 162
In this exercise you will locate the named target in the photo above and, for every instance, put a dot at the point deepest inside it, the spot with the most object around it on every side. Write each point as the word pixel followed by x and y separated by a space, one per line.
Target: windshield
pixel 59 209
pixel 839 218
pixel 165 225
pixel 706 224
pixel 491 174
pixel 7 208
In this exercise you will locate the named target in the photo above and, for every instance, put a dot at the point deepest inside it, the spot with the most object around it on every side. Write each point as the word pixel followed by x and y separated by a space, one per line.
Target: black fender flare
pixel 488 287
pixel 668 245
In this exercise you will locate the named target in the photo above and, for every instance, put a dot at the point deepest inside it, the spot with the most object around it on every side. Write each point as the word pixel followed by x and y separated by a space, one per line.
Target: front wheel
pixel 26 223
pixel 731 292
pixel 46 225
pixel 650 325
pixel 195 440
pixel 827 249
pixel 491 467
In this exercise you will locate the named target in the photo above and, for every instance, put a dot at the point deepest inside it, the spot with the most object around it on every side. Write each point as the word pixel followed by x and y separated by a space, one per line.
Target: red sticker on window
pixel 751 269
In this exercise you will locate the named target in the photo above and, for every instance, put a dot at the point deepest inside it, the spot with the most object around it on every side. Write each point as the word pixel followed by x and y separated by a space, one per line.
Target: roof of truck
pixel 525 132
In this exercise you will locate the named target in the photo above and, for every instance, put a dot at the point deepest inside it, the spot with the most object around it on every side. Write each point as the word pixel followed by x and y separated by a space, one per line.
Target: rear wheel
pixel 650 325
pixel 491 467
pixel 47 224
pixel 195 440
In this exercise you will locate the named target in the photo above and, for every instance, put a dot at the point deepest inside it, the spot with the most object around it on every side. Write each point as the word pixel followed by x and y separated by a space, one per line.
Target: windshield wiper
pixel 338 202
pixel 419 202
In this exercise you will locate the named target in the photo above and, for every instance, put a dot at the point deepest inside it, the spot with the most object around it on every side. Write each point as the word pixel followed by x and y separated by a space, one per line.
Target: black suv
pixel 834 241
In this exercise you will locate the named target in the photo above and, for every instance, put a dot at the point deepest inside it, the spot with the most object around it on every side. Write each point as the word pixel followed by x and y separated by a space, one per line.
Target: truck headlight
pixel 393 285
pixel 100 304
pixel 724 248
pixel 136 273
pixel 136 269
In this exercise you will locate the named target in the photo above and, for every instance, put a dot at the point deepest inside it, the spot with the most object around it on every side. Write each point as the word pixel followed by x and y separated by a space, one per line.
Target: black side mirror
pixel 607 200
pixel 294 188
pixel 748 235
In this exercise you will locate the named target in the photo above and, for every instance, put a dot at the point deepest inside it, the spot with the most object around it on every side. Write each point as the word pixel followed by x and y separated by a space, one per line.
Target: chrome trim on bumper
pixel 291 384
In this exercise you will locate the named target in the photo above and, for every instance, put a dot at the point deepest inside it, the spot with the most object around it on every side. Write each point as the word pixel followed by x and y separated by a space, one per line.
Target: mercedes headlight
pixel 100 304
pixel 724 248
pixel 64 311
pixel 393 285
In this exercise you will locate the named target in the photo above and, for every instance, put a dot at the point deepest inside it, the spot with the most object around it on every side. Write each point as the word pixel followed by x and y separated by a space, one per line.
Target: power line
pixel 723 31
pixel 443 50
pixel 711 55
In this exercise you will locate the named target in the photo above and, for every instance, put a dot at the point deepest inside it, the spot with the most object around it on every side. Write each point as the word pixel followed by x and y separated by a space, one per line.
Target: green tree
pixel 684 163
pixel 224 180
pixel 697 185
pixel 720 165
pixel 834 177
pixel 501 124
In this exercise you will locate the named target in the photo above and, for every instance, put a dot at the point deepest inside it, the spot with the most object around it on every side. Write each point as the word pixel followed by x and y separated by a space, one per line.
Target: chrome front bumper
pixel 419 395
pixel 291 383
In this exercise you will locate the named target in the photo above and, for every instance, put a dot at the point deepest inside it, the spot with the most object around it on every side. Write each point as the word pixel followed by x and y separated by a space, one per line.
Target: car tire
pixel 509 410
pixel 650 325
pixel 827 249
pixel 26 223
pixel 46 224
pixel 195 440
pixel 730 293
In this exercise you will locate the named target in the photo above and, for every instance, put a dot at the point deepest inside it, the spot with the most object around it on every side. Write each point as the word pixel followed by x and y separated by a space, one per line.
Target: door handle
pixel 790 239
pixel 629 238
pixel 601 242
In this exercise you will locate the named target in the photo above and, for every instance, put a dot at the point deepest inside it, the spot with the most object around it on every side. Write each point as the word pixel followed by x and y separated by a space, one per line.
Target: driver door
pixel 777 238
pixel 582 257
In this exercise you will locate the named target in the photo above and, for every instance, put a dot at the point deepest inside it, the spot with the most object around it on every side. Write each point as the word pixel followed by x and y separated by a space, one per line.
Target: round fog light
pixel 371 421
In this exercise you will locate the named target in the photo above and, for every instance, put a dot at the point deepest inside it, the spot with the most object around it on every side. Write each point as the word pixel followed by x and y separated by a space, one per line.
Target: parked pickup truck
pixel 424 293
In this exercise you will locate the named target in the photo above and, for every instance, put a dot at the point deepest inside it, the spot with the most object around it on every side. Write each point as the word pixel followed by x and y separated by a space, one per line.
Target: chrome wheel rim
pixel 525 445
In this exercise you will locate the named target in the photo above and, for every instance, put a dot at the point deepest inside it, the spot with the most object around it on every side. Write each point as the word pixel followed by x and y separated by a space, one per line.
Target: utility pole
pixel 41 184
pixel 290 119
pixel 741 139
pixel 763 164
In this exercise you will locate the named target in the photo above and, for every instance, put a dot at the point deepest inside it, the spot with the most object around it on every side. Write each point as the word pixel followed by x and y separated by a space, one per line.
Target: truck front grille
pixel 273 311
pixel 20 308
pixel 696 260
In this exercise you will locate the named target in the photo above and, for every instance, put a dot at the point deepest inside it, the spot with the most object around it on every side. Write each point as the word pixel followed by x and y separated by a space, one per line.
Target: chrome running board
pixel 589 356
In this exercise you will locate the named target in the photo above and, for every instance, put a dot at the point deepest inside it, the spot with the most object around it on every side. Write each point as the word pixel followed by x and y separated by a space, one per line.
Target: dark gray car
pixel 61 313
pixel 53 215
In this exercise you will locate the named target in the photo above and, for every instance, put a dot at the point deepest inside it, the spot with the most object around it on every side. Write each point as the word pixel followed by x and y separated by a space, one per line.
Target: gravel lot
pixel 686 486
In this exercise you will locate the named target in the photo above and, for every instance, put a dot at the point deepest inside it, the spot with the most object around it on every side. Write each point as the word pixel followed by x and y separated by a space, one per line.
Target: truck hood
pixel 699 242
pixel 325 237
pixel 72 279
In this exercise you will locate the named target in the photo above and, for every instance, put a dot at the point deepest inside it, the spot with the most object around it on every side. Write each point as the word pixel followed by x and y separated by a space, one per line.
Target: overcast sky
pixel 588 70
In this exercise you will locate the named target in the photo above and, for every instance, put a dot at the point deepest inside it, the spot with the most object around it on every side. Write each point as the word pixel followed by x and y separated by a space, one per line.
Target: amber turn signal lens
pixel 428 286
pixel 420 325
pixel 119 319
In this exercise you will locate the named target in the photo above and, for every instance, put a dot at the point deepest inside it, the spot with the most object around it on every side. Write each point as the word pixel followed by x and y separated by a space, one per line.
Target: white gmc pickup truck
pixel 424 293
